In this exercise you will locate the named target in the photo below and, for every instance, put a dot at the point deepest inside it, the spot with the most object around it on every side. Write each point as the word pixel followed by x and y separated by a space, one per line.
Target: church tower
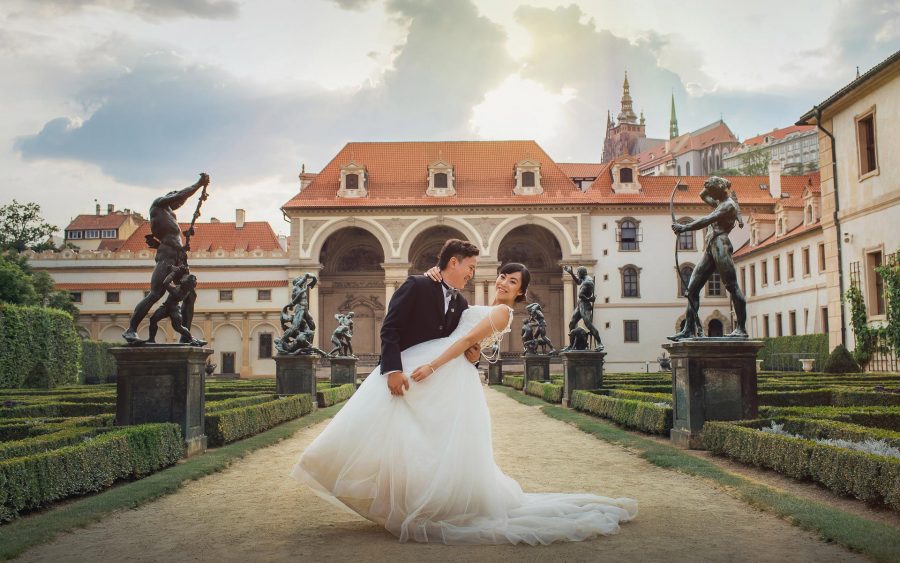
pixel 624 136
pixel 673 121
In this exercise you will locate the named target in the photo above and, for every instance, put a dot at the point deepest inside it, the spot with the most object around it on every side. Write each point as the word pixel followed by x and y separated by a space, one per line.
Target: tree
pixel 15 283
pixel 755 163
pixel 727 172
pixel 21 226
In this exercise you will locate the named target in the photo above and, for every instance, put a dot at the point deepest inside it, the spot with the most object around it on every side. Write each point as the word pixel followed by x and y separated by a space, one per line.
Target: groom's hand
pixel 473 354
pixel 397 381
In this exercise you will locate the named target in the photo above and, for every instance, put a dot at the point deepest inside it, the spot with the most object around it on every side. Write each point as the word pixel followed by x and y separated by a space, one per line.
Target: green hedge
pixel 35 444
pixel 37 480
pixel 229 404
pixel 40 347
pixel 514 381
pixel 227 426
pixel 638 395
pixel 38 410
pixel 640 415
pixel 335 395
pixel 848 472
pixel 886 418
pixel 97 364
pixel 547 391
pixel 810 345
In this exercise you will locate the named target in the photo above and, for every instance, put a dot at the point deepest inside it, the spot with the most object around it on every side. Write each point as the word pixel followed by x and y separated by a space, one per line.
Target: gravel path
pixel 254 511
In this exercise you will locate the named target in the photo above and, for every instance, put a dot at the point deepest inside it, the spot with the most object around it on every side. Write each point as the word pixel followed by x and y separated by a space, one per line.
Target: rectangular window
pixel 764 273
pixel 265 345
pixel 714 285
pixel 92 234
pixel 865 139
pixel 631 331
pixel 825 320
pixel 263 294
pixel 790 265
pixel 76 296
pixel 744 279
pixel 74 234
pixel 228 362
pixel 779 331
pixel 776 269
pixel 112 296
pixel 765 326
pixel 821 257
pixel 226 295
pixel 874 283
pixel 752 279
pixel 792 323
pixel 805 321
pixel 108 233
pixel 806 261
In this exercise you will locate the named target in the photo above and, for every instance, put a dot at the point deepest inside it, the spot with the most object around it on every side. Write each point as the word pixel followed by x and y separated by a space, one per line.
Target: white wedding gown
pixel 422 465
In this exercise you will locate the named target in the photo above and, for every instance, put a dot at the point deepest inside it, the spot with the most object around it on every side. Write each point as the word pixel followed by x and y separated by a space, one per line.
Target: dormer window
pixel 625 181
pixel 528 178
pixel 440 179
pixel 353 180
pixel 626 175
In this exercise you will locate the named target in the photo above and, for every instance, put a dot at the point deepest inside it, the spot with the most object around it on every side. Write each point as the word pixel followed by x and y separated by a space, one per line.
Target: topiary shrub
pixel 98 365
pixel 841 361
pixel 40 347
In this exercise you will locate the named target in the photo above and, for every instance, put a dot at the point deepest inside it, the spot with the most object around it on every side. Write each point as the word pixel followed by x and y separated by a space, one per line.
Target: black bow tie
pixel 450 292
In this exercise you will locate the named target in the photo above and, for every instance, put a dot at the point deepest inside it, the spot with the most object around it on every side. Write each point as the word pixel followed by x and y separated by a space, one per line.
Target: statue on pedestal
pixel 584 311
pixel 171 262
pixel 179 284
pixel 296 321
pixel 534 331
pixel 342 336
pixel 717 257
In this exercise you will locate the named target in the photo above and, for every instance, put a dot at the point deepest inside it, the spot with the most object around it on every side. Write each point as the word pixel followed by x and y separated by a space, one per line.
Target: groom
pixel 422 310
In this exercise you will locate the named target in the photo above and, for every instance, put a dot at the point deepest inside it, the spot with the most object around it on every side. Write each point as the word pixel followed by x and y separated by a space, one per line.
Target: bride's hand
pixel 435 274
pixel 422 372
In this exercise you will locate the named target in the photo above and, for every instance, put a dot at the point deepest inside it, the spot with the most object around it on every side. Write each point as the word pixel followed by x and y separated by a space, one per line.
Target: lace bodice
pixel 471 317
pixel 496 334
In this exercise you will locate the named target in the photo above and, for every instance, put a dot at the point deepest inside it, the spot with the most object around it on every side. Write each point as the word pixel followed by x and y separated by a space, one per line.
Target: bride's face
pixel 509 286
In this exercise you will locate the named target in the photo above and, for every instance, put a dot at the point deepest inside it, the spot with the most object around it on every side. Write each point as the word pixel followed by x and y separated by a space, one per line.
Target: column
pixel 479 292
pixel 394 276
pixel 246 370
pixel 485 276
pixel 568 301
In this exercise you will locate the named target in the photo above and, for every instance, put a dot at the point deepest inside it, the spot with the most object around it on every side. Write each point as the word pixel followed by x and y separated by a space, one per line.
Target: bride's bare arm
pixel 498 317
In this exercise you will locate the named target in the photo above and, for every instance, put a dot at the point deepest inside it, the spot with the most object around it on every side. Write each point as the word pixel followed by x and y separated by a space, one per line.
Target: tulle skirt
pixel 422 466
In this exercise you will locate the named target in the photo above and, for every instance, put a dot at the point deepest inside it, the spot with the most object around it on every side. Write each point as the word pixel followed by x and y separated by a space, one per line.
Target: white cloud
pixel 520 109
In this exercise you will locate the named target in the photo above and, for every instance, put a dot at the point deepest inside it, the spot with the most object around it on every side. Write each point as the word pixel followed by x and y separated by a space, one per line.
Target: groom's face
pixel 459 272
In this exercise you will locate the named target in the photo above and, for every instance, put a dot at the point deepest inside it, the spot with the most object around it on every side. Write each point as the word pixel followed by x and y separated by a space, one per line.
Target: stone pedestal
pixel 295 375
pixel 713 379
pixel 495 373
pixel 343 370
pixel 163 383
pixel 582 369
pixel 537 368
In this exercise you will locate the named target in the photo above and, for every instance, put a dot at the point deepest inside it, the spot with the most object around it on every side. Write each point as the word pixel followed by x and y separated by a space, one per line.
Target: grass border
pixel 28 531
pixel 877 540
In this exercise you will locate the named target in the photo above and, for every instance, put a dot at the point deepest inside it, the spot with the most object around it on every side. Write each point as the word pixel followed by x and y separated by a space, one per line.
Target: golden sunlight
pixel 519 109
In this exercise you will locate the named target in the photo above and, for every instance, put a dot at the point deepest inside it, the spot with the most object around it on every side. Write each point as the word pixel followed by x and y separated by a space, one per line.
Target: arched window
pixel 686 239
pixel 628 235
pixel 687 168
pixel 527 179
pixel 626 176
pixel 440 180
pixel 809 214
pixel 352 181
pixel 714 285
pixel 679 170
pixel 715 328
pixel 630 282
pixel 686 271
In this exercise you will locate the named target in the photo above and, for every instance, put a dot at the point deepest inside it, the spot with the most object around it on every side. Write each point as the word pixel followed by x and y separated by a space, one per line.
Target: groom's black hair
pixel 462 249
pixel 513 267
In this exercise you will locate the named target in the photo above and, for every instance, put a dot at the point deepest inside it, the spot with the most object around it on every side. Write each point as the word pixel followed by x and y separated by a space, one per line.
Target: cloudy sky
pixel 119 101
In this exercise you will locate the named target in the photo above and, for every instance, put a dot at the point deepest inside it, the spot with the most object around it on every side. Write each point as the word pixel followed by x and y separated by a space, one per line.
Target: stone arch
pixel 262 366
pixel 324 233
pixel 351 249
pixel 197 332
pixel 462 227
pixel 679 288
pixel 679 322
pixel 111 333
pixel 425 247
pixel 563 239
pixel 717 315
pixel 228 339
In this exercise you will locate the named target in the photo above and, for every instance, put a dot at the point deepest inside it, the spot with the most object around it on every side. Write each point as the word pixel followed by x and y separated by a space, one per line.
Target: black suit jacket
pixel 415 315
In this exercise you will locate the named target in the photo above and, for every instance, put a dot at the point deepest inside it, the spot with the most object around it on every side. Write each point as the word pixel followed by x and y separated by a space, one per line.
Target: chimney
pixel 213 220
pixel 283 242
pixel 775 179
pixel 110 208
pixel 239 218
pixel 98 209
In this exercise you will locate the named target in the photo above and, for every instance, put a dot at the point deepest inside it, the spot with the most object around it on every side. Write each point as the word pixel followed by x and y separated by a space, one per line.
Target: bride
pixel 422 464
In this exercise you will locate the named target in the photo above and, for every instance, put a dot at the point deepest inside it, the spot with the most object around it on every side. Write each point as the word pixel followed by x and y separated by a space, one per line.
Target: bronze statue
pixel 536 326
pixel 171 253
pixel 296 321
pixel 179 284
pixel 342 336
pixel 578 339
pixel 717 256
pixel 584 311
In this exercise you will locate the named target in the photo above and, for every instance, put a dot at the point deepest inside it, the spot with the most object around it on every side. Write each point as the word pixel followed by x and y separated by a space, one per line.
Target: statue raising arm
pixel 176 199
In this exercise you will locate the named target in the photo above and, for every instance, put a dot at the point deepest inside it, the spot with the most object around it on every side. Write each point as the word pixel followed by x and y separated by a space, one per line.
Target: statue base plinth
pixel 295 375
pixel 537 368
pixel 343 370
pixel 712 379
pixel 163 384
pixel 582 369
pixel 495 373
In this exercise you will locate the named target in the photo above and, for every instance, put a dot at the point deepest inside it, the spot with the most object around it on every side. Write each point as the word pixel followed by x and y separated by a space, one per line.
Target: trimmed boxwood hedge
pixel 848 472
pixel 813 345
pixel 335 395
pixel 641 415
pixel 50 441
pixel 51 409
pixel 638 395
pixel 97 364
pixel 514 381
pixel 37 480
pixel 887 418
pixel 227 426
pixel 228 404
pixel 547 391
pixel 40 347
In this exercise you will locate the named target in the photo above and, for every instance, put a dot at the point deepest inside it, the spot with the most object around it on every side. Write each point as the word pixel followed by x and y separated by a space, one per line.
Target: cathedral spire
pixel 673 121
pixel 627 114
pixel 609 123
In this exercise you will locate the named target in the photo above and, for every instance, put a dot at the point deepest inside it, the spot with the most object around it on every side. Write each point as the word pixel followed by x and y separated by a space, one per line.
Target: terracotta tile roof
pixel 762 216
pixel 111 244
pixel 712 134
pixel 800 229
pixel 397 175
pixel 778 134
pixel 86 286
pixel 582 169
pixel 215 236
pixel 110 221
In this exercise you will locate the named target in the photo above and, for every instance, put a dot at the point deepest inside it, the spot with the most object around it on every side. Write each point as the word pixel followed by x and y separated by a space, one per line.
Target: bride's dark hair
pixel 513 267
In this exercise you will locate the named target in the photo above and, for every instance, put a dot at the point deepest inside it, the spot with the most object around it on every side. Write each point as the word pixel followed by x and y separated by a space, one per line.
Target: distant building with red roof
pixel 795 147
pixel 102 232
pixel 698 153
